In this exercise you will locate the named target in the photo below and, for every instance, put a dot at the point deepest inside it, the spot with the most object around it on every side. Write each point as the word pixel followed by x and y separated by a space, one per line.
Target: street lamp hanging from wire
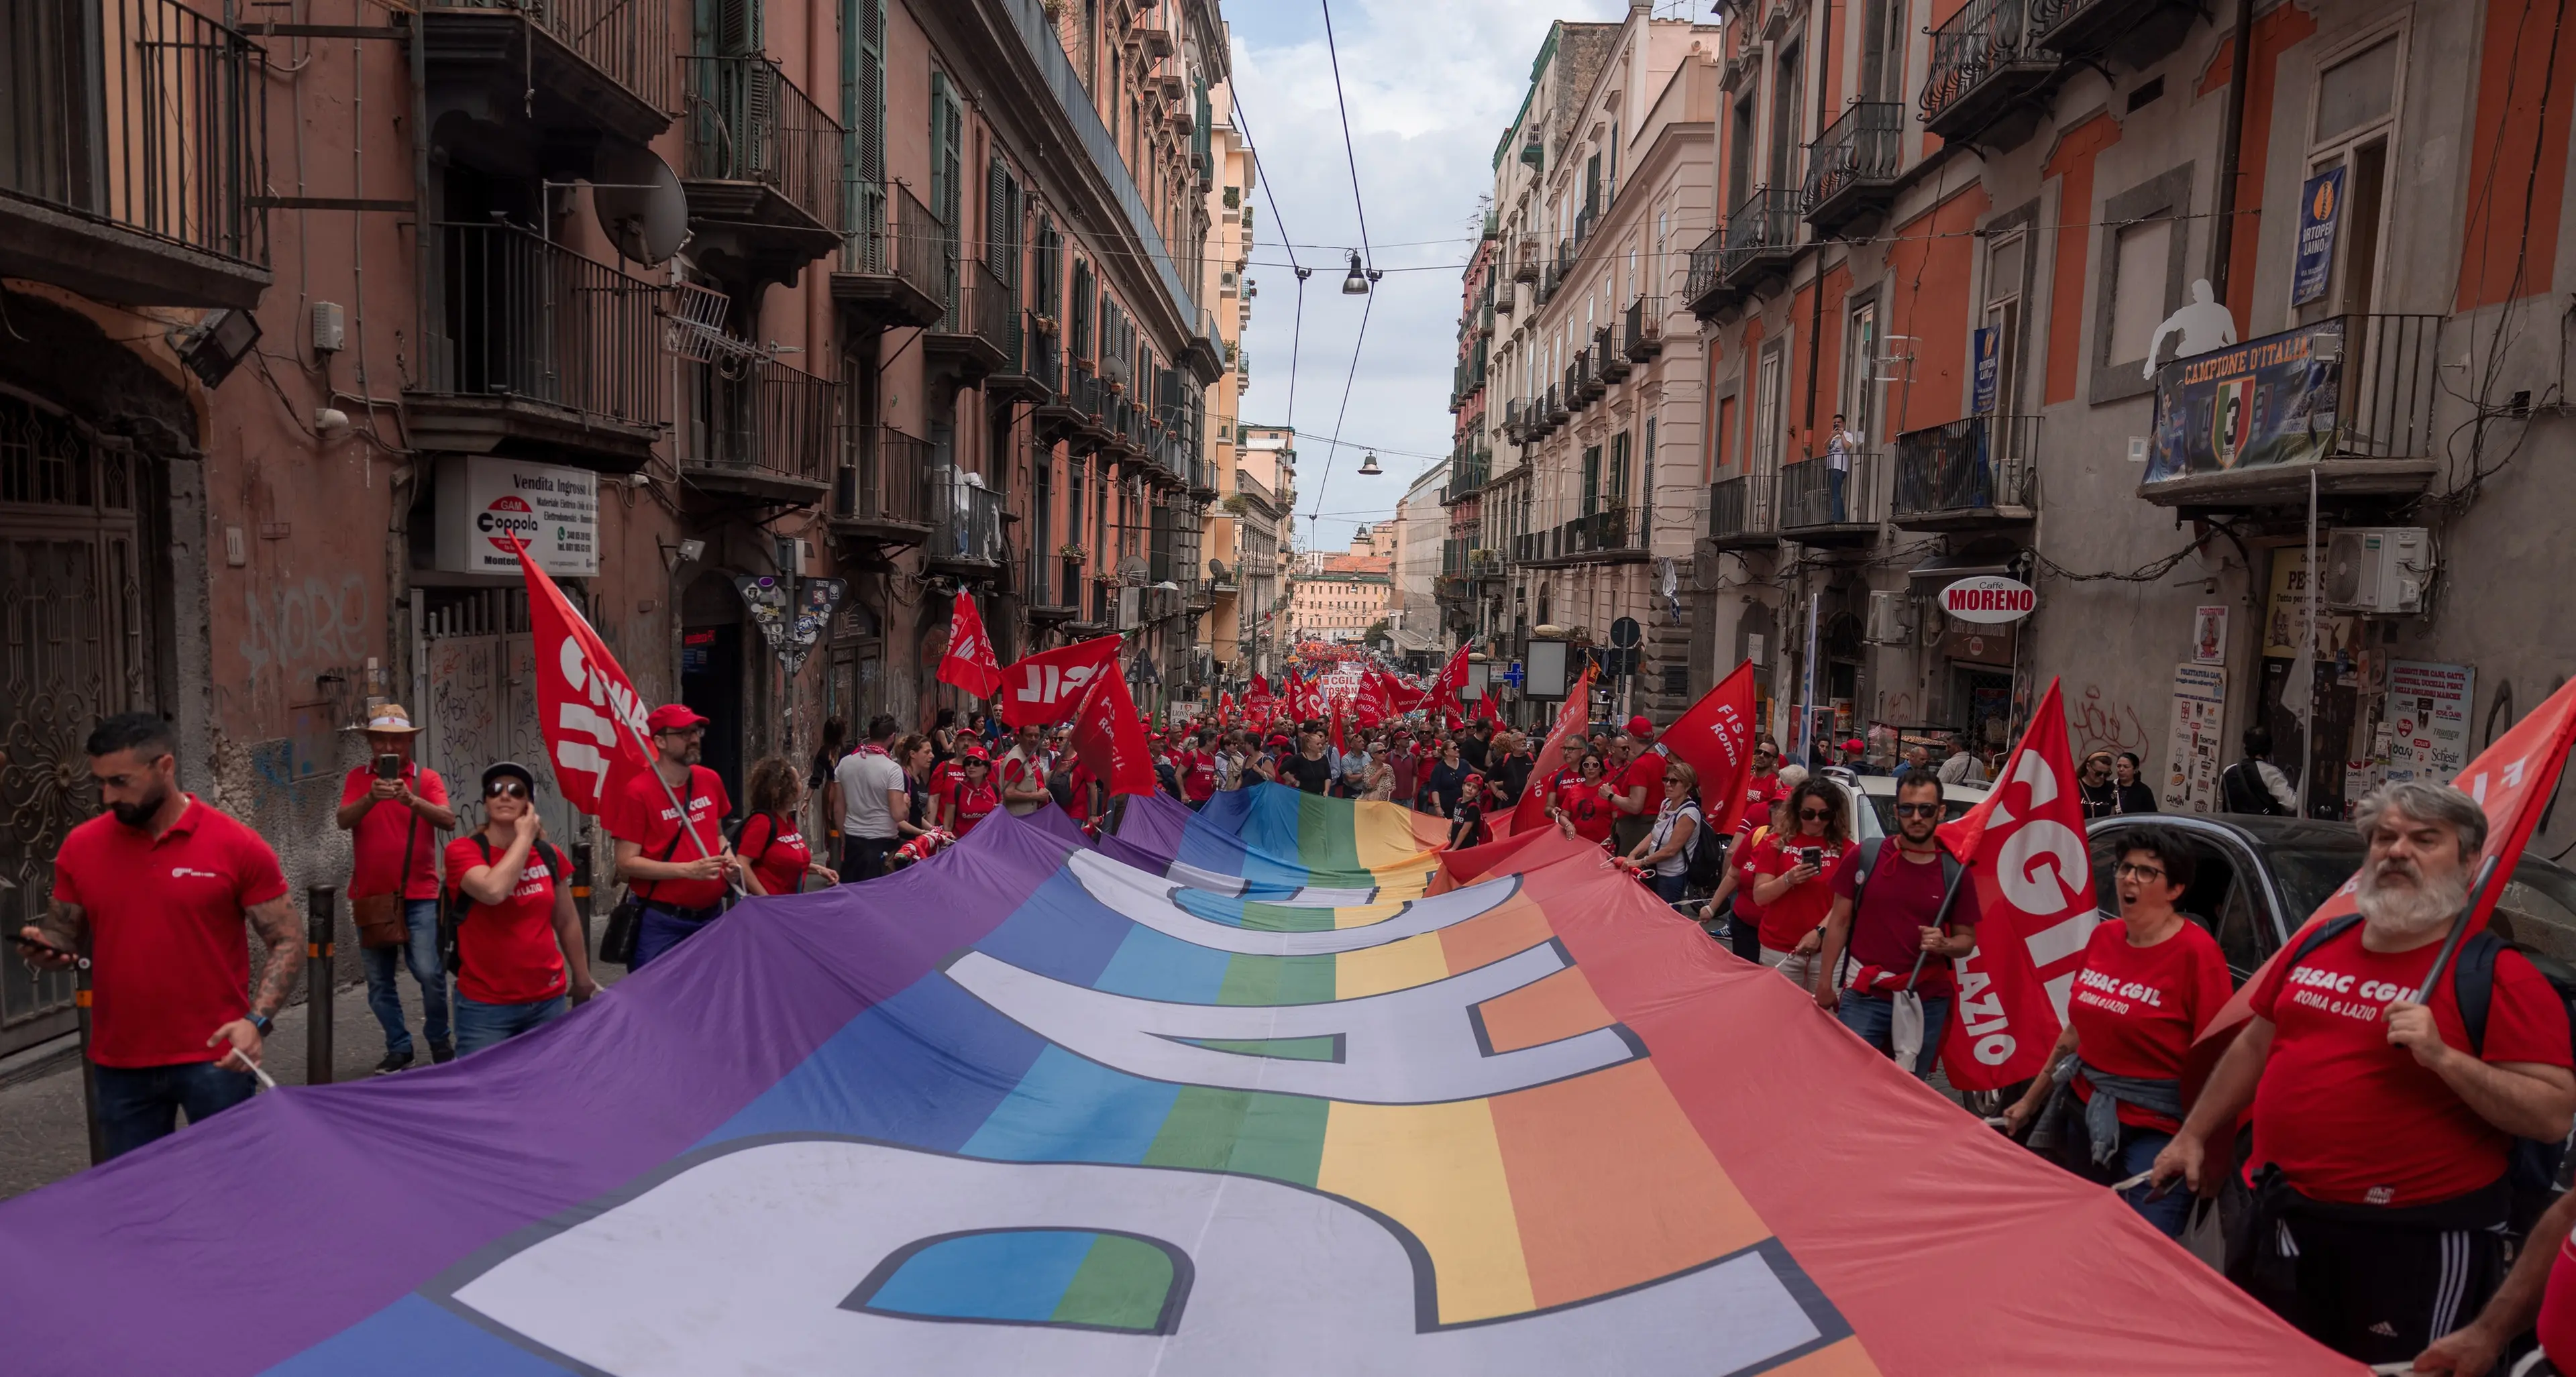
pixel 1357 284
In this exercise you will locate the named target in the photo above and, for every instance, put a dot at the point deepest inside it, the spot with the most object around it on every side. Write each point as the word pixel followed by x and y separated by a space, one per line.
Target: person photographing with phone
pixel 161 887
pixel 517 939
pixel 1790 884
pixel 394 808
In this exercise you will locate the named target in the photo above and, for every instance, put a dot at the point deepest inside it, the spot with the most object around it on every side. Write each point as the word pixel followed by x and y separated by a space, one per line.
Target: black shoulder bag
pixel 617 938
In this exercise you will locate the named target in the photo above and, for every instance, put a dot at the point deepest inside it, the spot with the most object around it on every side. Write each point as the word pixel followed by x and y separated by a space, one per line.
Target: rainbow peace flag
pixel 1271 1088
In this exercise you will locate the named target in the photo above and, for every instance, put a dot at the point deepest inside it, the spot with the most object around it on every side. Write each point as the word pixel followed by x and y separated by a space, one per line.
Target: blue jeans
pixel 2138 1149
pixel 661 929
pixel 420 952
pixel 1669 888
pixel 1874 1020
pixel 480 1025
pixel 1835 480
pixel 141 1104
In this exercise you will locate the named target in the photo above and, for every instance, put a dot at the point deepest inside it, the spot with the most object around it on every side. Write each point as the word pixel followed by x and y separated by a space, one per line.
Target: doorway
pixel 1984 707
pixel 711 669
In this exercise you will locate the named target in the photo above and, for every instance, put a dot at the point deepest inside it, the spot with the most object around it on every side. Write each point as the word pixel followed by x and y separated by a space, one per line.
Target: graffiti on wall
pixel 310 623
pixel 2098 723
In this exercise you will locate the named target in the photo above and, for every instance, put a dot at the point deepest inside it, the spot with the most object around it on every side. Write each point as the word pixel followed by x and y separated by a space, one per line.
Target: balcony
pixel 965 522
pixel 973 338
pixel 1851 171
pixel 570 74
pixel 1826 507
pixel 1967 475
pixel 761 164
pixel 531 349
pixel 1556 409
pixel 1703 289
pixel 1611 532
pixel 1608 360
pixel 2133 33
pixel 1525 258
pixel 877 495
pixel 754 427
pixel 1761 240
pixel 1027 373
pixel 1046 588
pixel 1643 339
pixel 1205 354
pixel 893 270
pixel 2351 401
pixel 1581 383
pixel 137 138
pixel 1988 80
pixel 1740 512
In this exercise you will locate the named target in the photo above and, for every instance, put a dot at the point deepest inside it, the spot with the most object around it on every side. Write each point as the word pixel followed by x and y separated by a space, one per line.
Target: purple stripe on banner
pixel 268 1229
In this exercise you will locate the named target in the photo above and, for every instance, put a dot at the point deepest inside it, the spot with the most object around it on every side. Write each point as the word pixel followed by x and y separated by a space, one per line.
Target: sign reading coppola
pixel 2254 405
pixel 1989 599
pixel 486 506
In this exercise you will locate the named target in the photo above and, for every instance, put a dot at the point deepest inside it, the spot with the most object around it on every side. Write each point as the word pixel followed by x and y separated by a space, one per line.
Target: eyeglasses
pixel 506 788
pixel 2139 872
pixel 1675 779
pixel 1918 810
pixel 1814 814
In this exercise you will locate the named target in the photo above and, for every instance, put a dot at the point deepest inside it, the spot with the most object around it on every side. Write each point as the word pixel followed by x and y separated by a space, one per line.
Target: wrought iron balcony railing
pixel 881 480
pixel 746 122
pixel 1979 464
pixel 1863 148
pixel 511 314
pixel 756 414
pixel 1703 281
pixel 627 42
pixel 1764 226
pixel 1815 493
pixel 1740 509
pixel 965 518
pixel 1984 40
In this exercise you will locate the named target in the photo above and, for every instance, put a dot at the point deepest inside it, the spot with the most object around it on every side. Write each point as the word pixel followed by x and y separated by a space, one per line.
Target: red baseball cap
pixel 671 717
pixel 1639 726
pixel 1855 744
pixel 978 753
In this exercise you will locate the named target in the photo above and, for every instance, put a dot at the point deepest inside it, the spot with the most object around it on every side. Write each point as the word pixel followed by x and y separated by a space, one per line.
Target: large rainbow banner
pixel 1276 1088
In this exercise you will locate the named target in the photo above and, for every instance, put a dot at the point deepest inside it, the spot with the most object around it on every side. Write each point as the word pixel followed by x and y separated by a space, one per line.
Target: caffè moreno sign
pixel 1989 599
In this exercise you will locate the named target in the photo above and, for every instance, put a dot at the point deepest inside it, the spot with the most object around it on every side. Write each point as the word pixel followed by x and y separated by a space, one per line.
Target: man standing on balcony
pixel 1839 445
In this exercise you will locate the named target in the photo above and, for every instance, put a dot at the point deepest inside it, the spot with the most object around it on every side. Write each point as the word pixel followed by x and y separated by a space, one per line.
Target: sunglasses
pixel 1814 814
pixel 1675 779
pixel 1918 810
pixel 506 788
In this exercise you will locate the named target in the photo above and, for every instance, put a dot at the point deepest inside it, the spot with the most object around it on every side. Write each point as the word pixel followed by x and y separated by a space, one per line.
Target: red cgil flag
pixel 969 663
pixel 1225 709
pixel 2031 881
pixel 1570 721
pixel 1715 738
pixel 1109 734
pixel 1452 677
pixel 1041 690
pixel 1487 712
pixel 587 709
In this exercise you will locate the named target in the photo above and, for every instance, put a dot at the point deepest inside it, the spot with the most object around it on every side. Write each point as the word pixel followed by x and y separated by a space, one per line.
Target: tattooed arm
pixel 278 931
pixel 63 926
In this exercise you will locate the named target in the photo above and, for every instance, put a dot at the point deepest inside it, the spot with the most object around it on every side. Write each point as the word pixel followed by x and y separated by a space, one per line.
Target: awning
pixel 1950 567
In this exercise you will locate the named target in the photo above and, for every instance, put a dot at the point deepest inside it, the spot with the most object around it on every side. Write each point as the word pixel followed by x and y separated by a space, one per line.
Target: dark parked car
pixel 2260 879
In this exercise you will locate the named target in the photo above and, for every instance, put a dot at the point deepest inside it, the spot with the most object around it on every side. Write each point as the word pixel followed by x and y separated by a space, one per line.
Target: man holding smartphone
pixel 396 807
pixel 161 886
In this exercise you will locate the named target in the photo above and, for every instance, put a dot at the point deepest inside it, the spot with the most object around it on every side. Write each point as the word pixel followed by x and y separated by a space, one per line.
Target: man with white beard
pixel 2381 1127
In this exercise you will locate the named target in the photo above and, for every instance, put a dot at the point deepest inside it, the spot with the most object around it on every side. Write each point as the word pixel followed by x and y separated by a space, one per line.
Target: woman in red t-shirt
pixel 972 798
pixel 778 855
pixel 2149 986
pixel 519 948
pixel 1583 802
pixel 1792 879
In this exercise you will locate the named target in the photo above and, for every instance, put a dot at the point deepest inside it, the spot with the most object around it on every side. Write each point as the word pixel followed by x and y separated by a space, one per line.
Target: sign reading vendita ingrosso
pixel 2267 402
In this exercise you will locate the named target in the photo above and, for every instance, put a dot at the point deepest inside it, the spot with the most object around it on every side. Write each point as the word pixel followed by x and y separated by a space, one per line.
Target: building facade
pixel 1224 282
pixel 814 304
pixel 1421 535
pixel 1337 599
pixel 2109 295
pixel 1265 478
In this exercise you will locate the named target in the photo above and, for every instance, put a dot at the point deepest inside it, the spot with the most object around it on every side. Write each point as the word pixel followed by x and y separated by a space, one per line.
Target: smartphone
pixel 1812 855
pixel 24 940
pixel 389 766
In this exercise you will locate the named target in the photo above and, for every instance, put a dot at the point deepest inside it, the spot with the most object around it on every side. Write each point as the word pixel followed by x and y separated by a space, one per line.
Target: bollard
pixel 318 946
pixel 581 888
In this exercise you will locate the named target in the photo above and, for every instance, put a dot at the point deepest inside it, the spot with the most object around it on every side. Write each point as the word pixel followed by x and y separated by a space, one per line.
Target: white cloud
pixel 1431 85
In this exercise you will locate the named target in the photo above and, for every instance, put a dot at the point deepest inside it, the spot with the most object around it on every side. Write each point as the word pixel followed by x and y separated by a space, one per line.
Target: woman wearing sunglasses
pixel 972 798
pixel 1792 881
pixel 1662 860
pixel 518 949
pixel 769 841
pixel 1582 804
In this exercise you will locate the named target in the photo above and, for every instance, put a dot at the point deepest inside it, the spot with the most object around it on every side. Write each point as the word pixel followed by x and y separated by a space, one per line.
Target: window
pixel 2357 91
pixel 1739 155
pixel 1788 90
pixel 1766 413
pixel 1860 374
pixel 1882 56
pixel 2354 121
pixel 2138 288
pixel 2004 259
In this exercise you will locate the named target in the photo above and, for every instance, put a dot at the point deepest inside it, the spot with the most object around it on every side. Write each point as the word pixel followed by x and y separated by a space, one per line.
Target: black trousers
pixel 864 858
pixel 2376 1285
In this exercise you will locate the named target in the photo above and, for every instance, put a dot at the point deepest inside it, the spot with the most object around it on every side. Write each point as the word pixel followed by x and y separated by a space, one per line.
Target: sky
pixel 1430 86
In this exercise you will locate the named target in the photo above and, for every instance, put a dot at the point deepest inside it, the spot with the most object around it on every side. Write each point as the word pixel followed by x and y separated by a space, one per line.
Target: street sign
pixel 1625 633
pixel 1512 675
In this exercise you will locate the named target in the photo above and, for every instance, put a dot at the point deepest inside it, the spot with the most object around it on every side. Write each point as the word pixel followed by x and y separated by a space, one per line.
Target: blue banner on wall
pixel 2320 213
pixel 1989 370
pixel 2269 401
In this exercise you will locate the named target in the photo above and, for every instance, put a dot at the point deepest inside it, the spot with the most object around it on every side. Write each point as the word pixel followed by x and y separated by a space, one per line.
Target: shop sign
pixel 486 505
pixel 1989 599
pixel 1981 645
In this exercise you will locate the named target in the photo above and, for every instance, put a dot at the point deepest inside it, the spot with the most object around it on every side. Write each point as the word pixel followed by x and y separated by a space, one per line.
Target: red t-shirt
pixel 1887 927
pixel 381 836
pixel 1080 808
pixel 2558 1309
pixel 1016 771
pixel 971 803
pixel 778 858
pixel 644 816
pixel 1788 919
pixel 1757 804
pixel 1645 772
pixel 943 774
pixel 508 950
pixel 170 957
pixel 2353 1120
pixel 1585 804
pixel 2137 1009
pixel 1198 776
pixel 1745 857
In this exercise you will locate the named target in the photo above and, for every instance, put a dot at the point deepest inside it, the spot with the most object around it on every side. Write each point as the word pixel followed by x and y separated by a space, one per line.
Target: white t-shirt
pixel 866 776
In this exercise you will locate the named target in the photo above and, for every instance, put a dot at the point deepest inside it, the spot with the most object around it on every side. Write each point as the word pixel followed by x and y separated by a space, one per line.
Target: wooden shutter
pixel 947 168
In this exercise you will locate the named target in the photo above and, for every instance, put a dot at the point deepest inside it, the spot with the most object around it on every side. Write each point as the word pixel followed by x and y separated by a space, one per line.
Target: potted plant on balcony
pixel 1070 551
pixel 1042 323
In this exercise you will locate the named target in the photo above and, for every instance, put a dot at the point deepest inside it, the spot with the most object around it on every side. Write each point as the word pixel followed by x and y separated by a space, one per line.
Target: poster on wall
pixel 2320 211
pixel 484 507
pixel 2209 635
pixel 2194 750
pixel 2256 405
pixel 2427 719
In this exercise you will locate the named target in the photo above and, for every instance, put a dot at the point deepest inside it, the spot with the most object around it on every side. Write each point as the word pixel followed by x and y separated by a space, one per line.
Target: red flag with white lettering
pixel 2030 880
pixel 969 663
pixel 1487 712
pixel 1042 689
pixel 1715 738
pixel 587 709
pixel 1570 720
pixel 1372 704
pixel 1225 709
pixel 1109 736
pixel 1452 677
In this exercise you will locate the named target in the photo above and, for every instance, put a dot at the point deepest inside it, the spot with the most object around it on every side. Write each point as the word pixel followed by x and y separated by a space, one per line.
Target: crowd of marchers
pixel 2377 1162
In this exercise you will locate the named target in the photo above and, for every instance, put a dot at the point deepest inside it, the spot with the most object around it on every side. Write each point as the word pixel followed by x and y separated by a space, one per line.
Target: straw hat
pixel 387 719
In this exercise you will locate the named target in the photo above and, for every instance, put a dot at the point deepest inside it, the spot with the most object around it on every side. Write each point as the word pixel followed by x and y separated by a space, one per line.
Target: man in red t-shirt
pixel 1022 774
pixel 396 818
pixel 519 948
pixel 1198 771
pixel 679 872
pixel 158 889
pixel 1895 928
pixel 1637 790
pixel 1761 788
pixel 2381 1123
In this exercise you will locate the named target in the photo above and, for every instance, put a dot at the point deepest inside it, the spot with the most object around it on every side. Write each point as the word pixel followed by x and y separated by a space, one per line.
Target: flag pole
pixel 2459 930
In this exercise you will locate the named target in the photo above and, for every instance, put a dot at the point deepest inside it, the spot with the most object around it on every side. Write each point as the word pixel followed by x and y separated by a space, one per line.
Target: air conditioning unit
pixel 1891 619
pixel 2380 570
pixel 1131 606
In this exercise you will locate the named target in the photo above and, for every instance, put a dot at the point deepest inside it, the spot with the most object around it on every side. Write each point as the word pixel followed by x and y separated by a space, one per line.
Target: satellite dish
pixel 640 205
pixel 1216 569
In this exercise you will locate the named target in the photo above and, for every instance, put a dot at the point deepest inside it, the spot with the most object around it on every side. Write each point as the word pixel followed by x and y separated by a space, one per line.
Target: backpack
pixel 2241 790
pixel 1953 871
pixel 1707 858
pixel 2535 1170
pixel 455 904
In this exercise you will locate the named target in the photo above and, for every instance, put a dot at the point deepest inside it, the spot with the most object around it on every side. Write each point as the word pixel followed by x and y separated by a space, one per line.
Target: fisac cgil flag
pixel 1042 689
pixel 1715 738
pixel 2032 883
pixel 970 663
pixel 1109 737
pixel 586 707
